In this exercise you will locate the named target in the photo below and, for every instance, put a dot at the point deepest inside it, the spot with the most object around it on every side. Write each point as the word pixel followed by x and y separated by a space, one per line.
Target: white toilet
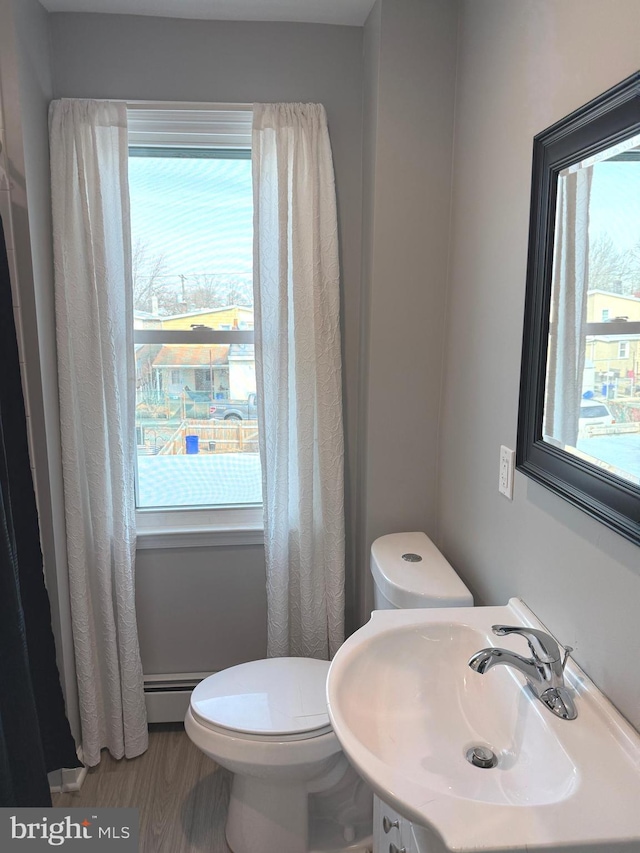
pixel 409 571
pixel 293 790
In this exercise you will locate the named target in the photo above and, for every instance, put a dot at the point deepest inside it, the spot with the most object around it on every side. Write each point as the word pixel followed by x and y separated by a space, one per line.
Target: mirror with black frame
pixel 579 416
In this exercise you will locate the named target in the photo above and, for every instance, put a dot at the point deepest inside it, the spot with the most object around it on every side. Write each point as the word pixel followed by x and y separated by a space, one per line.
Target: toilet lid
pixel 276 697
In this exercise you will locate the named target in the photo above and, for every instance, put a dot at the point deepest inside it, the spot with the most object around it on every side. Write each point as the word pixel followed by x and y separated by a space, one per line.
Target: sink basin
pixel 433 709
pixel 407 709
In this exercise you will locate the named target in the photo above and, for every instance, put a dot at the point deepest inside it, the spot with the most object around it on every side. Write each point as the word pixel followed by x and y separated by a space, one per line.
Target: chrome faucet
pixel 544 670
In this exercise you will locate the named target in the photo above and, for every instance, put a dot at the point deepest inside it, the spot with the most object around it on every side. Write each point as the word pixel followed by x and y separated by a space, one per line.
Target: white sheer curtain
pixel 298 367
pixel 566 353
pixel 92 256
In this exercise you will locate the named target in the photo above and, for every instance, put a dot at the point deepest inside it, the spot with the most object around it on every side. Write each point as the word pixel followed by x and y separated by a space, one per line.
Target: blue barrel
pixel 192 443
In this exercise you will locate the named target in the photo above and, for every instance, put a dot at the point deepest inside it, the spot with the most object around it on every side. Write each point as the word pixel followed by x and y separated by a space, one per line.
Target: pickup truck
pixel 234 410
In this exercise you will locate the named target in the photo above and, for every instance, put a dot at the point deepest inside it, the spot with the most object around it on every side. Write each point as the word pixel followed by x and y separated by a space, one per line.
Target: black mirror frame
pixel 609 119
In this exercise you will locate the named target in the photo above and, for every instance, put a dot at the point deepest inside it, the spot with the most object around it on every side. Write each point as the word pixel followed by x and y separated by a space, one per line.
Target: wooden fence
pixel 214 437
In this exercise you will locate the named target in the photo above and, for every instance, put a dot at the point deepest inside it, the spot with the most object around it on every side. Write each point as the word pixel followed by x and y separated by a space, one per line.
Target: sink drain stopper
pixel 481 756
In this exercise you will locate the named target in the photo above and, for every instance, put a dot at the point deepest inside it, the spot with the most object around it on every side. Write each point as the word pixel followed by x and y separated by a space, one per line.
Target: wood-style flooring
pixel 182 795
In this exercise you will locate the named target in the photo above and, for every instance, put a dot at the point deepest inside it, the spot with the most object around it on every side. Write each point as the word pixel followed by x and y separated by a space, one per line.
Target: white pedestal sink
pixel 406 708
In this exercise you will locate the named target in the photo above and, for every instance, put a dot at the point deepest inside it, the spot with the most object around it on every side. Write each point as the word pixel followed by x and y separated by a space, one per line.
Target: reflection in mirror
pixel 592 396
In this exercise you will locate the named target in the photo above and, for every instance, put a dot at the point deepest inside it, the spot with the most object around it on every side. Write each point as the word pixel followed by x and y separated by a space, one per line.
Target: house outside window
pixel 191 219
pixel 605 315
pixel 623 349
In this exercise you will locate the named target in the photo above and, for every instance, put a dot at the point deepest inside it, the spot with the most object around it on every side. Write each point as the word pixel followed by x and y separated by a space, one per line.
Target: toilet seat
pixel 277 699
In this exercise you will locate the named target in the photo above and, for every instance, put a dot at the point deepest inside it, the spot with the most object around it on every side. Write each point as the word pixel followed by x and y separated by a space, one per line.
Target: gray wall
pixel 109 56
pixel 202 609
pixel 410 68
pixel 371 76
pixel 522 66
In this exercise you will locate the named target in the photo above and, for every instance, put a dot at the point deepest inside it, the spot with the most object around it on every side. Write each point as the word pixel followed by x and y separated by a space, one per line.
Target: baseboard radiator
pixel 167 695
pixel 167 700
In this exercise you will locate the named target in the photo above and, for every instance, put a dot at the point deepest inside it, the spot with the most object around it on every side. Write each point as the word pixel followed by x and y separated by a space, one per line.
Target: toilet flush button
pixel 412 558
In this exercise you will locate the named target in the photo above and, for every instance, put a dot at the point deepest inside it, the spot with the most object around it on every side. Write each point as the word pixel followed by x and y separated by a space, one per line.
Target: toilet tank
pixel 409 571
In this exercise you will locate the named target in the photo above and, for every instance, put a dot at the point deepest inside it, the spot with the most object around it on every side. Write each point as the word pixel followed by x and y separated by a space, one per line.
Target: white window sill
pixel 199 528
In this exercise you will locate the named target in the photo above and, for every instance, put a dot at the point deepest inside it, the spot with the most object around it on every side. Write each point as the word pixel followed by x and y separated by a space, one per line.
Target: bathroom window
pixel 191 223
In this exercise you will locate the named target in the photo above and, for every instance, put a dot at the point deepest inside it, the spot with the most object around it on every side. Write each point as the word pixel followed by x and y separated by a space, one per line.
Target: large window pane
pixel 191 223
pixel 196 426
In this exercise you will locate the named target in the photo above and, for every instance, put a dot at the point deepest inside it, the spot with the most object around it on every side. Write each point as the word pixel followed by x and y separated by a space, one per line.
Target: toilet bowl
pixel 293 789
pixel 267 722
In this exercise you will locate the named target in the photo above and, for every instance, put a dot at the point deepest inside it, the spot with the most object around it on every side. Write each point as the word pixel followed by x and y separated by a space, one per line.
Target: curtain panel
pixel 568 317
pixel 34 732
pixel 299 378
pixel 96 374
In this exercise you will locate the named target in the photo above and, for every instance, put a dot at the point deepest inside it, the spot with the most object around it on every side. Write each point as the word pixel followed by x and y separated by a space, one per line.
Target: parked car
pixel 234 410
pixel 594 413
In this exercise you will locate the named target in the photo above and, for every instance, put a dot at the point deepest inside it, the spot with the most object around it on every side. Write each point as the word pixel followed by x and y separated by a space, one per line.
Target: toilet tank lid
pixel 428 582
pixel 271 697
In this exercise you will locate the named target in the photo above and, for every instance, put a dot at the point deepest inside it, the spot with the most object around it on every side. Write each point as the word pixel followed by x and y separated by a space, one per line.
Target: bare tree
pixel 632 270
pixel 216 291
pixel 158 292
pixel 203 291
pixel 608 267
pixel 237 295
pixel 150 288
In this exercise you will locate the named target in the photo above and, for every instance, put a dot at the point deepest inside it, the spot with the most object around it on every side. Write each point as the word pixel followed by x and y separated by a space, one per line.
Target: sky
pixel 196 213
pixel 614 207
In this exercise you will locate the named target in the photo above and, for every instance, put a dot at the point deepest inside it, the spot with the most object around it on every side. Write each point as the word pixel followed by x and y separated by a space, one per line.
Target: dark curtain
pixel 34 732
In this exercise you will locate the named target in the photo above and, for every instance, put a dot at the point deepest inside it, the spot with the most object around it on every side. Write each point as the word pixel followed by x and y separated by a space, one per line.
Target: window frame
pixel 193 130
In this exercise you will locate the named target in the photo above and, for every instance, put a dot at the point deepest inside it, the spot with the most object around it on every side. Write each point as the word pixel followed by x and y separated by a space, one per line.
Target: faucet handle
pixel 543 647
